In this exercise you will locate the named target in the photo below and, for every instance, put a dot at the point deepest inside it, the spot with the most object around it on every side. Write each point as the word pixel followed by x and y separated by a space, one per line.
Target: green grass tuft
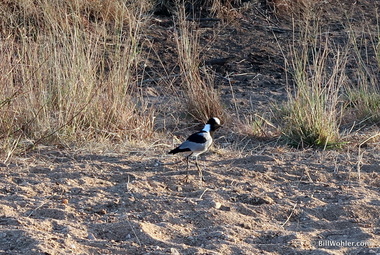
pixel 311 116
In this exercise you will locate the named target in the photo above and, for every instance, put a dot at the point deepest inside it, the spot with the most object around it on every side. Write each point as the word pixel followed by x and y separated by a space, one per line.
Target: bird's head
pixel 213 124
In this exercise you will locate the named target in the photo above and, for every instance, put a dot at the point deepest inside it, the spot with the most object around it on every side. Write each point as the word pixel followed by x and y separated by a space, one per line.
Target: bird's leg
pixel 187 162
pixel 187 169
pixel 199 170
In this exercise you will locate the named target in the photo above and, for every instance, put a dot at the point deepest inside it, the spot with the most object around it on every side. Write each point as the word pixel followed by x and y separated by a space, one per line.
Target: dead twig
pixel 203 193
pixel 290 215
pixel 38 207
pixel 133 230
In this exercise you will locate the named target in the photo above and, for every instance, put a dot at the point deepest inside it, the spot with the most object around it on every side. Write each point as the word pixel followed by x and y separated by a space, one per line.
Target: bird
pixel 199 142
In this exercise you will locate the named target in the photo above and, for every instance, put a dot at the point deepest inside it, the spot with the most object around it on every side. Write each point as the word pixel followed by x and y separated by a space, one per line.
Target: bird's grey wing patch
pixel 193 146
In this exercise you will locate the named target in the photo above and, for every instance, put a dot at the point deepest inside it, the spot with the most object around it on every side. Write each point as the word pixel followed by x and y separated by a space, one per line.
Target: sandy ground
pixel 274 200
pixel 259 196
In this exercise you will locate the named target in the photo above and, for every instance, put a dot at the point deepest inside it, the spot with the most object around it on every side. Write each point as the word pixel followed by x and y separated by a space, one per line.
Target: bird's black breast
pixel 197 138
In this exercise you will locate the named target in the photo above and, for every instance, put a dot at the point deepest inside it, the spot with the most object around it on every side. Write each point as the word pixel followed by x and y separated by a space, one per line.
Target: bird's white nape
pixel 217 120
pixel 207 128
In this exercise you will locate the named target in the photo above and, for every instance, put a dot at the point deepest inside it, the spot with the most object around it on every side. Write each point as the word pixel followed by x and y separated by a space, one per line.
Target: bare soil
pixel 259 196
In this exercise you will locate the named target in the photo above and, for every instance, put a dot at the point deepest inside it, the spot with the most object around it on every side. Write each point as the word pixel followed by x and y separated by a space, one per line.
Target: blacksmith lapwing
pixel 199 142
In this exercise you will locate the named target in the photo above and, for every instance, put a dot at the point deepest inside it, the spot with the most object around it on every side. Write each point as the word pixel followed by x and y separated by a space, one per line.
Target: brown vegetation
pixel 94 94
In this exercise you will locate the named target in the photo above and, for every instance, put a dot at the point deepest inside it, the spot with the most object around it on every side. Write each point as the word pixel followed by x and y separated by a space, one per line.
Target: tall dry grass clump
pixel 69 70
pixel 202 99
pixel 364 99
pixel 364 95
pixel 311 116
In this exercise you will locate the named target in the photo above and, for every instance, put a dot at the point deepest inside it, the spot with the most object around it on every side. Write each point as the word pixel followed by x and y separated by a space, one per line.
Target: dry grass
pixel 299 9
pixel 70 71
pixel 225 9
pixel 258 126
pixel 202 100
pixel 318 68
pixel 364 101
pixel 364 95
pixel 311 116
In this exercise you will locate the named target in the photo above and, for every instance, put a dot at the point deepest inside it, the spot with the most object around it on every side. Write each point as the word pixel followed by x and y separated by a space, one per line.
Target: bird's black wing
pixel 197 138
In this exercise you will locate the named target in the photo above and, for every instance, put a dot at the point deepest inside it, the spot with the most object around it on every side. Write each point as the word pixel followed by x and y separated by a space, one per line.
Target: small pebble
pixel 102 212
pixel 217 205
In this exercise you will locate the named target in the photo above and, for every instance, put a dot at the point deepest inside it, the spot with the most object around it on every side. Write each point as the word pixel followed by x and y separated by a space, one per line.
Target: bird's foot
pixel 201 177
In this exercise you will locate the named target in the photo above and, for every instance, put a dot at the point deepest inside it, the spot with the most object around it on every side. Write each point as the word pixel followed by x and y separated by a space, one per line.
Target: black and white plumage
pixel 199 142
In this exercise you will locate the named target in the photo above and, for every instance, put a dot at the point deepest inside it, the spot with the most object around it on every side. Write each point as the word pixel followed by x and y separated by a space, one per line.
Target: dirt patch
pixel 258 197
pixel 279 201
